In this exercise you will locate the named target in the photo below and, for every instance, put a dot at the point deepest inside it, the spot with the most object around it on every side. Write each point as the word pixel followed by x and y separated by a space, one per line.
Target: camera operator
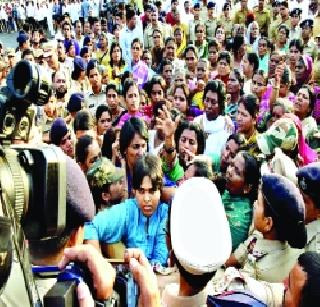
pixel 51 251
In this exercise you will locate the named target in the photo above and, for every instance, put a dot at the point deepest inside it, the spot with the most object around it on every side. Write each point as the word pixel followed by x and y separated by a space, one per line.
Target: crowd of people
pixel 145 97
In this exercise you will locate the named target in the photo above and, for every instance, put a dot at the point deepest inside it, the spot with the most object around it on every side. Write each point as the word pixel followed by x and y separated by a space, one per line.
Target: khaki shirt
pixel 148 37
pixel 211 25
pixel 240 17
pixel 227 23
pixel 263 19
pixel 267 260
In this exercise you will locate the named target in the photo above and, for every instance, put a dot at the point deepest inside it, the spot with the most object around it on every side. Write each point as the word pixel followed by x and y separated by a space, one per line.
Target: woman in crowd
pixel 246 121
pixel 242 178
pixel 303 107
pixel 103 121
pixel 279 213
pixel 117 64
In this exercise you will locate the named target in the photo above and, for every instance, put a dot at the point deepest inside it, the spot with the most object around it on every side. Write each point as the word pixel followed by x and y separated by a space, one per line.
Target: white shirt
pixel 127 36
pixel 30 10
pixel 217 133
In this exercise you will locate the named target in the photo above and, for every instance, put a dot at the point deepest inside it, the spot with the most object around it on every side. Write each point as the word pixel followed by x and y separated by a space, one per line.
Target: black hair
pixel 126 86
pixel 310 294
pixel 154 80
pixel 253 60
pixel 136 40
pixel 250 103
pixel 285 78
pixel 225 55
pixel 109 138
pixel 91 65
pixel 296 43
pixel 190 48
pixel 131 127
pixel 113 46
pixel 185 125
pixel 251 175
pixel 202 167
pixel 111 86
pixel 82 148
pixel 312 97
pixel 262 73
pixel 82 121
pixel 27 52
pixel 168 40
pixel 238 41
pixel 130 13
pixel 148 165
pixel 240 77
pixel 235 137
pixel 285 27
pixel 100 109
pixel 83 51
pixel 216 86
pixel 213 43
pixel 164 63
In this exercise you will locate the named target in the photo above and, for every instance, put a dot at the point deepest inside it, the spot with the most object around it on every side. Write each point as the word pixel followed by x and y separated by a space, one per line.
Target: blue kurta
pixel 125 222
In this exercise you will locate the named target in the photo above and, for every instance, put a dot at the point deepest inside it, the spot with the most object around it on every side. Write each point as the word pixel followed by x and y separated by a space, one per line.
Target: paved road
pixel 9 40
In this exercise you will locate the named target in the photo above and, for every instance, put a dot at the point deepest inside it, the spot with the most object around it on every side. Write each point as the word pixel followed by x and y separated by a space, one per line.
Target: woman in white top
pixel 214 123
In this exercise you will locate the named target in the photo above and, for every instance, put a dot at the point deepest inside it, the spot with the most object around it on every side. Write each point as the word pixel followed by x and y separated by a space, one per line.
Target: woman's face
pixel 235 182
pixel 200 34
pixel 156 39
pixel 294 54
pixel 254 30
pixel 211 105
pixel 282 36
pixel 223 67
pixel 258 213
pixel 302 103
pixel 233 85
pixel 244 119
pixel 262 47
pixel 116 54
pixel 299 71
pixel 104 123
pixel 178 37
pixel 180 100
pixel 220 35
pixel 188 145
pixel 191 60
pixel 132 99
pixel 136 51
pixel 258 86
pixel 112 99
pixel 137 148
pixel 156 93
pixel 213 55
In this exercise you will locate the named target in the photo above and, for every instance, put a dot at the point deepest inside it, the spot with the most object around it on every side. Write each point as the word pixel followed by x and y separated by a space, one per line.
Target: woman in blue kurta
pixel 138 222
